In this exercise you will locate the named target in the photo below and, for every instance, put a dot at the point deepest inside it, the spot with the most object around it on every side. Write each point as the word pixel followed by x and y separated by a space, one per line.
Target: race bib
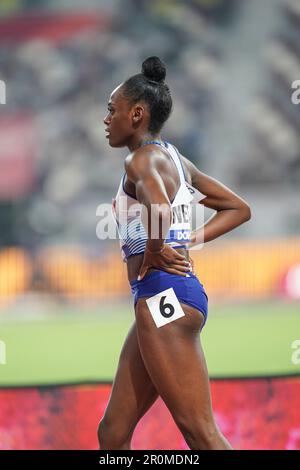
pixel 165 307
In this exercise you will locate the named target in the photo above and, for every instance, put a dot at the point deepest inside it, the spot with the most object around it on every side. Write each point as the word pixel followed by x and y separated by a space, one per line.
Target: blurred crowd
pixel 230 69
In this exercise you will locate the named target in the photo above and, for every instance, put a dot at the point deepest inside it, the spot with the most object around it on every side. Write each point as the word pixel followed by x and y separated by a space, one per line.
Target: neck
pixel 138 141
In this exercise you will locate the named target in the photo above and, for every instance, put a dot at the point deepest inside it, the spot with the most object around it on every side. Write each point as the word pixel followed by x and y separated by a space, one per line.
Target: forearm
pixel 220 223
pixel 156 219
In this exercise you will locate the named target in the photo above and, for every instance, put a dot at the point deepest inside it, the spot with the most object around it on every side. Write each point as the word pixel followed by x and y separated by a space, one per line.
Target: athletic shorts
pixel 188 290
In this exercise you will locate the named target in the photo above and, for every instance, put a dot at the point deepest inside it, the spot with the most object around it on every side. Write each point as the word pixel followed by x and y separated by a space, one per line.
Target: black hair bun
pixel 154 69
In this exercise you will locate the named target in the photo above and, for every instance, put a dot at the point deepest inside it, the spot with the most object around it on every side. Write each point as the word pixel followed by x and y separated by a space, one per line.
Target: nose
pixel 106 120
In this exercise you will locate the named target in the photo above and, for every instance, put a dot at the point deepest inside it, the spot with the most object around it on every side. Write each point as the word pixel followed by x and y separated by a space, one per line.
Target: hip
pixel 188 289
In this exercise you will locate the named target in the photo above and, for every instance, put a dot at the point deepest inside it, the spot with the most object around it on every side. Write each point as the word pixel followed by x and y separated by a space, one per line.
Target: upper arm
pixel 218 196
pixel 141 169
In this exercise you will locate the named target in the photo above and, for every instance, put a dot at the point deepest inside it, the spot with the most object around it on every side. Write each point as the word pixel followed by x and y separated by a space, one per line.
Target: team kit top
pixel 127 211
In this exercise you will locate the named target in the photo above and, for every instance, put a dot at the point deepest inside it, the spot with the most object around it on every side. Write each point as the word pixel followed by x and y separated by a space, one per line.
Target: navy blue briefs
pixel 188 290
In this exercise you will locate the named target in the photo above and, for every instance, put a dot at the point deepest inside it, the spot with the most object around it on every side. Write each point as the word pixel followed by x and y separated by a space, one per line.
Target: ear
pixel 137 113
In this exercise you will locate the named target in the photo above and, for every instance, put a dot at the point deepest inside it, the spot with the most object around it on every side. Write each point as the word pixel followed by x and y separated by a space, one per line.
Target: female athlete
pixel 162 354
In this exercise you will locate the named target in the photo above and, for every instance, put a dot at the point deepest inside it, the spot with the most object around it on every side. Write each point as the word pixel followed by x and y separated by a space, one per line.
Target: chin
pixel 116 144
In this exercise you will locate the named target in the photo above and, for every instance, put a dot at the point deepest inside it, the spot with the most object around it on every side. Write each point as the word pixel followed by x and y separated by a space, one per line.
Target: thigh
pixel 175 362
pixel 132 392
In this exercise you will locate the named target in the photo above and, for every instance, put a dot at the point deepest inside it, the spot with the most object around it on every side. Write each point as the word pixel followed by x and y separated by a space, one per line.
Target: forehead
pixel 116 96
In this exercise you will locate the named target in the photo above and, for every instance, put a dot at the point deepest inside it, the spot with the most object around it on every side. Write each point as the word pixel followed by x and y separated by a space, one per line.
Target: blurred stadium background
pixel 64 299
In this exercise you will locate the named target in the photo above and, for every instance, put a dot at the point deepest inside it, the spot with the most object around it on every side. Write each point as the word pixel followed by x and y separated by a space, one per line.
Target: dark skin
pixel 151 357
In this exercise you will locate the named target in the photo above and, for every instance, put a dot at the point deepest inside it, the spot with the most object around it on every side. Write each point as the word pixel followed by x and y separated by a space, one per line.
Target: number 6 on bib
pixel 165 307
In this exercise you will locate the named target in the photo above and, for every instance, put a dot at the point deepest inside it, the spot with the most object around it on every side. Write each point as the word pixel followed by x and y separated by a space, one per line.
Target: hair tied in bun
pixel 154 69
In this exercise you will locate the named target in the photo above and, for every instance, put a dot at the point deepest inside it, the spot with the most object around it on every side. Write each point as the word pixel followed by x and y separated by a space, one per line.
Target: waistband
pixel 160 273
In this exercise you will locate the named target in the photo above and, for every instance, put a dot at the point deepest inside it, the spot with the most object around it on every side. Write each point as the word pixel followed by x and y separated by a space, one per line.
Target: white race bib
pixel 165 307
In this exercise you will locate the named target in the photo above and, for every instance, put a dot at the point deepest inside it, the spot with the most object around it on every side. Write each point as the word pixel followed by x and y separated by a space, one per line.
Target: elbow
pixel 246 212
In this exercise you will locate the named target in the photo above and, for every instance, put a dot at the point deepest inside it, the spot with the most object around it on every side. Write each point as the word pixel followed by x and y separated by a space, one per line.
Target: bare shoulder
pixel 145 161
pixel 140 157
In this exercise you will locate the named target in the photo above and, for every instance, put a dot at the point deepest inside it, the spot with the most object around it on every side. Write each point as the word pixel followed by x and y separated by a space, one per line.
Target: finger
pixel 178 267
pixel 179 256
pixel 179 262
pixel 176 254
pixel 176 271
pixel 142 272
